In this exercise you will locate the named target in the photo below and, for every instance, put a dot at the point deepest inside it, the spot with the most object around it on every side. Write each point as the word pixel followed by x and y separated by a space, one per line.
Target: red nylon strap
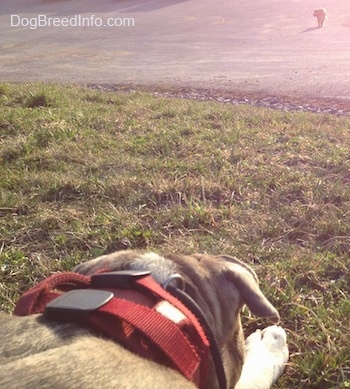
pixel 161 331
pixel 35 299
pixel 148 283
pixel 185 349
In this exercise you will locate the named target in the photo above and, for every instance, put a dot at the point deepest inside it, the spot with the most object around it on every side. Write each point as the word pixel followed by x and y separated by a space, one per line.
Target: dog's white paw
pixel 266 356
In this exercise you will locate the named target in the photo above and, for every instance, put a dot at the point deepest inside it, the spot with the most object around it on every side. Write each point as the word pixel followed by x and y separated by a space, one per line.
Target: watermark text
pixel 75 21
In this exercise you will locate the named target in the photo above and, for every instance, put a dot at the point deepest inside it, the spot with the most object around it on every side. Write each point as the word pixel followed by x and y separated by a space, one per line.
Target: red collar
pixel 131 308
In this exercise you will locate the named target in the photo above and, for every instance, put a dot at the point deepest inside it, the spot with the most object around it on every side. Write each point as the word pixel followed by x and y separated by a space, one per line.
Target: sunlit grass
pixel 86 172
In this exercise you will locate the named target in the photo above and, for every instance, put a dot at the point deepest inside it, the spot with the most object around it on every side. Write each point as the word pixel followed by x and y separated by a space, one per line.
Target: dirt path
pixel 249 49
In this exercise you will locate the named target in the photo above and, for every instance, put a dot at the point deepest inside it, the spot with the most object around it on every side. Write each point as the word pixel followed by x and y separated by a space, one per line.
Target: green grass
pixel 87 172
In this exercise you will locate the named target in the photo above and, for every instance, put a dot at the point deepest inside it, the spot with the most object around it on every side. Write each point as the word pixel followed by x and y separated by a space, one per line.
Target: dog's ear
pixel 247 283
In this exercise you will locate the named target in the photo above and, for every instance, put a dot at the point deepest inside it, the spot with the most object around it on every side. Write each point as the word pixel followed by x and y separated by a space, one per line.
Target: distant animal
pixel 136 320
pixel 321 15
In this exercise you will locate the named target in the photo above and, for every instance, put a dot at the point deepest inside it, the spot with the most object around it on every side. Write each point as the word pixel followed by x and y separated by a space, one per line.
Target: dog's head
pixel 319 12
pixel 220 285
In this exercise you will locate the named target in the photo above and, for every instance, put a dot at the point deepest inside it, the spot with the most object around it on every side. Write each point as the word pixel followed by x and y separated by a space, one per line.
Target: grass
pixel 88 172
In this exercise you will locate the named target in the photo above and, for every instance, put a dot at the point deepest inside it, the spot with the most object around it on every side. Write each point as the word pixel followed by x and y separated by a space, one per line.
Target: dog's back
pixel 37 352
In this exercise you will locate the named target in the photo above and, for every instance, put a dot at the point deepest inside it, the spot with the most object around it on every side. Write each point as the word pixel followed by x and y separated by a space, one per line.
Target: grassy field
pixel 87 172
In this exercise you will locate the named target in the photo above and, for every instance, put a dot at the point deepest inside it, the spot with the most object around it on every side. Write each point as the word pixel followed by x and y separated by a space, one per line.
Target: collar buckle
pixel 122 279
pixel 76 305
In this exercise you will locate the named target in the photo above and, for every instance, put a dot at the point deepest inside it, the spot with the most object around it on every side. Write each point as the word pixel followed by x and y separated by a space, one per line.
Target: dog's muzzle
pixel 131 308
